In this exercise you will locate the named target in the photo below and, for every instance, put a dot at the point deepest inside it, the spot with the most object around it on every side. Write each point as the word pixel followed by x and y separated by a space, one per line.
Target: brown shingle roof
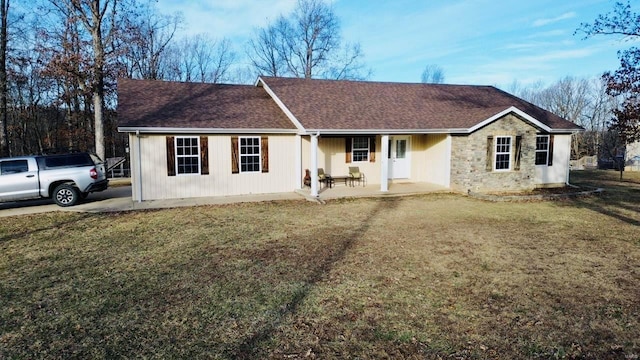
pixel 359 105
pixel 164 104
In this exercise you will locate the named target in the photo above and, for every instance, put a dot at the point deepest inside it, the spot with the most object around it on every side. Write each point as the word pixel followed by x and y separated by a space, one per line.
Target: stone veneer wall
pixel 469 158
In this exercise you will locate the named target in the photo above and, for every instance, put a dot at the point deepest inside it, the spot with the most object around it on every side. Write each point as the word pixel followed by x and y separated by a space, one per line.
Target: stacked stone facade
pixel 469 158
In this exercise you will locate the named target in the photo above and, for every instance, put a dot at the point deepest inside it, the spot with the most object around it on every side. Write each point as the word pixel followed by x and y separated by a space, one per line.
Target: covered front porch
pixel 373 190
pixel 392 163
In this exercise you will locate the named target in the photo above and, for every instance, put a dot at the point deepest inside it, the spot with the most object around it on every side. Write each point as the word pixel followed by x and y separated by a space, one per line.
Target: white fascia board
pixel 382 131
pixel 525 116
pixel 167 130
pixel 280 104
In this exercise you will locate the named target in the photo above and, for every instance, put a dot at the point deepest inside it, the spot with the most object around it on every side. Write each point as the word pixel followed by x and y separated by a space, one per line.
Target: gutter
pixel 452 131
pixel 167 130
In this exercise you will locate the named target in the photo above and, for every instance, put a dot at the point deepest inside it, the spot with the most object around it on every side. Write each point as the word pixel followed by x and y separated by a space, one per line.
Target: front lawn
pixel 433 276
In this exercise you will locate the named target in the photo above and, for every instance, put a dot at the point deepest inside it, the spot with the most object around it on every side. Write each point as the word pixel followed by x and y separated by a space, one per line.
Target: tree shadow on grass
pixel 619 200
pixel 253 346
pixel 28 232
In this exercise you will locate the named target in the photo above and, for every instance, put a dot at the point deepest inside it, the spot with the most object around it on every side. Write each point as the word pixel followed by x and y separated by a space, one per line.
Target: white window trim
pixel 240 155
pixel 546 162
pixel 175 144
pixel 496 153
pixel 353 149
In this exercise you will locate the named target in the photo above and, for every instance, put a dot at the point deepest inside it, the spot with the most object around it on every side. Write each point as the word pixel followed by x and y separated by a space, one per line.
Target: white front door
pixel 399 157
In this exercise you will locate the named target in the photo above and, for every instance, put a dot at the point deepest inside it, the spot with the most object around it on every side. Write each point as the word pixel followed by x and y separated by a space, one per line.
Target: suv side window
pixel 13 167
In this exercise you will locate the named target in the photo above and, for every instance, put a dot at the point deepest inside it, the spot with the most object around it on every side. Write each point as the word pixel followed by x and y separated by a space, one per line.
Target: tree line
pixel 60 60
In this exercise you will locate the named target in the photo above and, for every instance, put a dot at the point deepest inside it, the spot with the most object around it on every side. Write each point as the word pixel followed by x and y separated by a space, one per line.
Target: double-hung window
pixel 360 149
pixel 503 153
pixel 187 155
pixel 542 149
pixel 249 154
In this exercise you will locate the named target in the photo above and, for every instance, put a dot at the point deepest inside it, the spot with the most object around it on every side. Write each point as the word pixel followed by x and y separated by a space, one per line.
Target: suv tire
pixel 66 195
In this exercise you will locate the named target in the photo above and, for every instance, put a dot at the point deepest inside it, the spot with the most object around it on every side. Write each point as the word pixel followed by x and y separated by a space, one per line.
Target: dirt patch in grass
pixel 439 276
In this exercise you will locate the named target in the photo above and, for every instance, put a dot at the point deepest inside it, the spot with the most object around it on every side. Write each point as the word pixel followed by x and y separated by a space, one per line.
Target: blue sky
pixel 484 42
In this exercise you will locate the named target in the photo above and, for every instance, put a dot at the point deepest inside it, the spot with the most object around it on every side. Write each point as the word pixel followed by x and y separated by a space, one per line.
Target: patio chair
pixel 324 178
pixel 356 175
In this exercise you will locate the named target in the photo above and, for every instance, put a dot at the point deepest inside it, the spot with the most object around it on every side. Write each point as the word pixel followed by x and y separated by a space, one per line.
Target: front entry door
pixel 399 158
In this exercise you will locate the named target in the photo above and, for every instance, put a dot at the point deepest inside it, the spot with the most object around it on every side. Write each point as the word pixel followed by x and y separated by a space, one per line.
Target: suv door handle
pixel 30 176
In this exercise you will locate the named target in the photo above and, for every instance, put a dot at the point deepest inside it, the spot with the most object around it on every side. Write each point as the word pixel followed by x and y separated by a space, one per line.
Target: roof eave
pixel 525 116
pixel 382 131
pixel 221 131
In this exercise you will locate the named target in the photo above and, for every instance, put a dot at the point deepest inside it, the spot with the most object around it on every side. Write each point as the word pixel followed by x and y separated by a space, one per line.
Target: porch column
pixel 314 165
pixel 298 160
pixel 384 164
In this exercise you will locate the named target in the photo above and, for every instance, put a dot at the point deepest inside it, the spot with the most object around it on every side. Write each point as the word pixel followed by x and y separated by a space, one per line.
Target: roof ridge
pixel 381 82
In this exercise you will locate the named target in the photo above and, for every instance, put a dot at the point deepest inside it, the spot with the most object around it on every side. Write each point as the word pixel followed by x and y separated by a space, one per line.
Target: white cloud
pixel 543 22
pixel 226 18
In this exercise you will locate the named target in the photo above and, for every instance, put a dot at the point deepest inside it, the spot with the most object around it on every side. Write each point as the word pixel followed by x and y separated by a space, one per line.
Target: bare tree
pixel 582 101
pixel 4 144
pixel 567 98
pixel 213 58
pixel 306 44
pixel 99 19
pixel 264 54
pixel 432 74
pixel 145 41
pixel 348 64
pixel 201 58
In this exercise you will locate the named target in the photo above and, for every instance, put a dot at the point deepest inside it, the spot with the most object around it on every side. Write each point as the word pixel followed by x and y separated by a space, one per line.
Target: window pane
pixel 542 149
pixel 187 165
pixel 542 143
pixel 360 143
pixel 541 158
pixel 502 161
pixel 250 154
pixel 401 149
pixel 187 155
pixel 360 155
pixel 503 153
pixel 360 149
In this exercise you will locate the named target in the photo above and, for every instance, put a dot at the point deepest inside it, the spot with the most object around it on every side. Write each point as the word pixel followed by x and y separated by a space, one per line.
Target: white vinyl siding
pixel 556 174
pixel 221 182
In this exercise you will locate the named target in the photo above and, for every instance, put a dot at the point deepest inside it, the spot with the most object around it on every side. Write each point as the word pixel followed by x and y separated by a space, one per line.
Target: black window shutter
pixel 235 161
pixel 347 150
pixel 489 166
pixel 550 159
pixel 171 156
pixel 264 153
pixel 372 149
pixel 518 154
pixel 204 155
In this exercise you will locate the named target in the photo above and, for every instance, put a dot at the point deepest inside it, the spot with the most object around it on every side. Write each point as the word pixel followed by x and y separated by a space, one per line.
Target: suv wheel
pixel 66 195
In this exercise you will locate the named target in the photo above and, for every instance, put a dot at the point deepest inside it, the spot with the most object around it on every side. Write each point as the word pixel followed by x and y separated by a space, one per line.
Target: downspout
pixel 139 167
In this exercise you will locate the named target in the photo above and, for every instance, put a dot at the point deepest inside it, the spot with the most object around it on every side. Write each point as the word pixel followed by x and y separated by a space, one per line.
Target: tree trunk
pixel 98 90
pixel 4 136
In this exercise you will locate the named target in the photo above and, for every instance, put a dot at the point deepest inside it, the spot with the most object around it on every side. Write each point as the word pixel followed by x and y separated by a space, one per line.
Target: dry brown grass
pixel 438 276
